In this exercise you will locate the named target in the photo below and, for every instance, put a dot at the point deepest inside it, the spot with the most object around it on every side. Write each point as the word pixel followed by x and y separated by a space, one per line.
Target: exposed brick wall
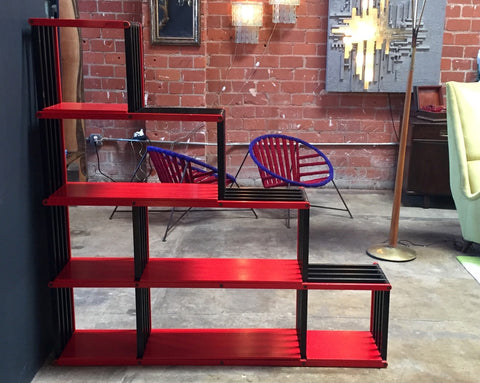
pixel 461 41
pixel 277 85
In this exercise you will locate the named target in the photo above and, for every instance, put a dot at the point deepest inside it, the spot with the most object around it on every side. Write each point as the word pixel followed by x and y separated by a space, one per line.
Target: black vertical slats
pixel 333 273
pixel 140 239
pixel 64 319
pixel 221 157
pixel 302 295
pixel 133 61
pixel 380 318
pixel 144 323
pixel 302 313
pixel 303 233
pixel 142 295
pixel 44 41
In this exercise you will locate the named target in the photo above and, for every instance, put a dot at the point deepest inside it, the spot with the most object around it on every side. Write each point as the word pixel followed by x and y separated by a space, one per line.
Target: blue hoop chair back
pixel 283 160
pixel 173 167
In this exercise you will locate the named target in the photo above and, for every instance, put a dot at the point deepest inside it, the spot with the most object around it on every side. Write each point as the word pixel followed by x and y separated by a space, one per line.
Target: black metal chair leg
pixel 131 180
pixel 341 197
pixel 170 226
pixel 336 208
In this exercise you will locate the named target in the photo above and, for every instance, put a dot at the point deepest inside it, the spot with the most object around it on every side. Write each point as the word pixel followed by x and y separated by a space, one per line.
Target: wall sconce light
pixel 247 17
pixel 284 11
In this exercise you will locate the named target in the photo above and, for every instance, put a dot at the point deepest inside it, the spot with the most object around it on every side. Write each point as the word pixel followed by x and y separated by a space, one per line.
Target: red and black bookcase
pixel 297 346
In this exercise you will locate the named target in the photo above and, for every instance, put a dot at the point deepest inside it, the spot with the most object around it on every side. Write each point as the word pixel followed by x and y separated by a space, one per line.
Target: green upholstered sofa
pixel 463 122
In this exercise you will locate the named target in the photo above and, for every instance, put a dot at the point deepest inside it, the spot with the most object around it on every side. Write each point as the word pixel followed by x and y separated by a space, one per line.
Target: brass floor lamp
pixel 393 251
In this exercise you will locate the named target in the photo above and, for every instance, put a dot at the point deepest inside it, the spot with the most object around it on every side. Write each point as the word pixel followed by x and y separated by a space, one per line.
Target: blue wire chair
pixel 285 161
pixel 172 167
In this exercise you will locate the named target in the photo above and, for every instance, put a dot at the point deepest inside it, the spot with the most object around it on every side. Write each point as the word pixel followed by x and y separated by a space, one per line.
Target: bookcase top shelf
pixel 170 195
pixel 99 111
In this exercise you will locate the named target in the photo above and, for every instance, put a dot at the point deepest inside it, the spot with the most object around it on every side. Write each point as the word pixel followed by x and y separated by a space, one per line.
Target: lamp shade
pixel 247 13
pixel 284 11
pixel 247 18
pixel 284 2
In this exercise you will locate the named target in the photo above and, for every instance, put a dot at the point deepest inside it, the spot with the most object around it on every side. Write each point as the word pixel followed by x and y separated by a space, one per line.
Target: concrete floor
pixel 434 333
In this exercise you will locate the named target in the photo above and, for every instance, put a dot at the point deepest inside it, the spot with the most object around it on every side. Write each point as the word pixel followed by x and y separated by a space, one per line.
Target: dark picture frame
pixel 175 22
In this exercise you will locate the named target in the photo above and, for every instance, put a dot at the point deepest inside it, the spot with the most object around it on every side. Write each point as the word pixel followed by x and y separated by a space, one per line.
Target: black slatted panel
pixel 302 295
pixel 319 273
pixel 140 239
pixel 303 241
pixel 64 318
pixel 44 44
pixel 302 305
pixel 221 157
pixel 379 325
pixel 134 62
pixel 144 323
pixel 44 48
pixel 261 194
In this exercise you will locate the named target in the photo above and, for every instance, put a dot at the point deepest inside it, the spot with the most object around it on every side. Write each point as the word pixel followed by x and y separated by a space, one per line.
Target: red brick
pixel 291 61
pixel 462 65
pixel 102 70
pixel 464 39
pixel 471 11
pixel 181 88
pixel 452 51
pixel 102 45
pixel 115 58
pixel 155 61
pixel 112 83
pixel 193 75
pixel 457 25
pixel 110 6
pixel 453 11
pixel 93 57
pixel 305 49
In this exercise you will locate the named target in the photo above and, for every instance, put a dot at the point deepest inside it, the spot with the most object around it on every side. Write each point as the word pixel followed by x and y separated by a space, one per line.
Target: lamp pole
pixel 394 252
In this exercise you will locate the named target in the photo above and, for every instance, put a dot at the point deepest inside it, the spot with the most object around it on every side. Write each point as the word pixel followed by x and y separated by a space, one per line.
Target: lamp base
pixel 392 254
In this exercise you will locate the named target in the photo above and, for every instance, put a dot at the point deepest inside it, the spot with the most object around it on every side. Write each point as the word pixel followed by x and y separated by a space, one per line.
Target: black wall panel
pixel 25 300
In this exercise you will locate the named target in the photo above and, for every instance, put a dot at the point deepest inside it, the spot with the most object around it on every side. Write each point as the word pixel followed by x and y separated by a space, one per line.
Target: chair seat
pixel 289 161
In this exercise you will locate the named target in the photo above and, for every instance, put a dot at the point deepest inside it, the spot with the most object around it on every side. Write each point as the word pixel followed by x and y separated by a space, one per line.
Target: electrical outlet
pixel 95 139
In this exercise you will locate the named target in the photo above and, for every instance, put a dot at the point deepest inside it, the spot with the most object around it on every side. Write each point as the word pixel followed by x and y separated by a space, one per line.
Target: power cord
pixel 98 163
pixel 391 116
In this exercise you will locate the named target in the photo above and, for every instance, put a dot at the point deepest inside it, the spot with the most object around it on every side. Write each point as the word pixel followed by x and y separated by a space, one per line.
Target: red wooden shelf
pixel 96 272
pixel 266 347
pixel 342 349
pixel 96 111
pixel 196 273
pixel 100 348
pixel 154 194
pixel 134 194
pixel 79 23
pixel 183 272
pixel 222 347
pixel 222 273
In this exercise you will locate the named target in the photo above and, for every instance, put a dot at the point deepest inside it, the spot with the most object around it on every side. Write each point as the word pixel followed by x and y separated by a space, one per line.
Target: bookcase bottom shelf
pixel 208 347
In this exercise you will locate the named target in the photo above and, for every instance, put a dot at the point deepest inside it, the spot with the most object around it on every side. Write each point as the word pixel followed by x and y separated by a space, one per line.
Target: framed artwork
pixel 175 22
